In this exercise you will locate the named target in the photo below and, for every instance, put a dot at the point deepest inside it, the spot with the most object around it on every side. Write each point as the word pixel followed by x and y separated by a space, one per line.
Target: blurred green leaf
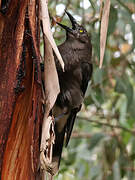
pixel 110 146
pixel 116 171
pixel 123 85
pixel 112 20
pixel 132 105
pixel 95 39
pixel 133 147
pixel 110 177
pixel 98 76
pixel 128 18
pixel 95 139
pixel 95 172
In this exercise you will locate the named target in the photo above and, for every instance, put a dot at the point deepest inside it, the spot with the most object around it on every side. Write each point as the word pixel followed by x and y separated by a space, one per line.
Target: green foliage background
pixel 103 143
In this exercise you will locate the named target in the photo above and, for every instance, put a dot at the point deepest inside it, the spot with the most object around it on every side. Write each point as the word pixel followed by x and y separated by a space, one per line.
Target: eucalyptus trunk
pixel 20 89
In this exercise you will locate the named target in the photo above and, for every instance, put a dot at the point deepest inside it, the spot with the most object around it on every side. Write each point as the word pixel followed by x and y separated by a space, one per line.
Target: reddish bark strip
pixel 20 91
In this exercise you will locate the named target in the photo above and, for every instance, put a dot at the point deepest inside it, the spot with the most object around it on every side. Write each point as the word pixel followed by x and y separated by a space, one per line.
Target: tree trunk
pixel 20 89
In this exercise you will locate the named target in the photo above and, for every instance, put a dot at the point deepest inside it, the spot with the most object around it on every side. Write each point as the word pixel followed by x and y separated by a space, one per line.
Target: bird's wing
pixel 86 69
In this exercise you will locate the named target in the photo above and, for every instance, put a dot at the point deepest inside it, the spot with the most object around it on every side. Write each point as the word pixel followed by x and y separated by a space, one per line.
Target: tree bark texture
pixel 20 90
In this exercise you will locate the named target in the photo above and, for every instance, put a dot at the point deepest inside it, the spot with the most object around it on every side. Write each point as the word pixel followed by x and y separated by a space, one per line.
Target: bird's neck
pixel 75 44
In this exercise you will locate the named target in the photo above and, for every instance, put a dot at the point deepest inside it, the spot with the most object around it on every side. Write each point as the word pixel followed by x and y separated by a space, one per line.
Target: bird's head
pixel 77 31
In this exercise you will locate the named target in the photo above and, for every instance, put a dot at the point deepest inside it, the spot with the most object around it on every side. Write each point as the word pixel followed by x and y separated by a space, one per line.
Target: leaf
pixel 116 171
pixel 123 85
pixel 123 112
pixel 93 97
pixel 95 39
pixel 97 96
pixel 133 148
pixel 103 30
pixel 131 108
pixel 121 106
pixel 98 76
pixel 109 177
pixel 95 171
pixel 126 16
pixel 95 139
pixel 110 146
pixel 112 20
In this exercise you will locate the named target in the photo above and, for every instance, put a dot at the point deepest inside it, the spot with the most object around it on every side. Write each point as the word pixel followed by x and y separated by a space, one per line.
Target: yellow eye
pixel 81 31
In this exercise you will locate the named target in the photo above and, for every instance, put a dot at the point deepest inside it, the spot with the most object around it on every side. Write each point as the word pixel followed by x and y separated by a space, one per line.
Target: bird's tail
pixel 70 123
pixel 57 149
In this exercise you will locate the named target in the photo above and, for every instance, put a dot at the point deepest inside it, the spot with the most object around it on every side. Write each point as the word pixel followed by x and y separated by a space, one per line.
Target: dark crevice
pixel 4 6
pixel 21 72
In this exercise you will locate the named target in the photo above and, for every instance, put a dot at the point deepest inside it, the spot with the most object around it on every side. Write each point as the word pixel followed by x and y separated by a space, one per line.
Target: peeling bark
pixel 20 90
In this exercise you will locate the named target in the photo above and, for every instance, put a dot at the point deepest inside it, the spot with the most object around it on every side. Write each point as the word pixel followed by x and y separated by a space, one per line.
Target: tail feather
pixel 69 127
pixel 70 123
pixel 57 148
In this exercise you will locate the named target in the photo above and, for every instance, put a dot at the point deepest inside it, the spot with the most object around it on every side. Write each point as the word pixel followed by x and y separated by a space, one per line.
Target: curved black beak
pixel 66 28
pixel 73 21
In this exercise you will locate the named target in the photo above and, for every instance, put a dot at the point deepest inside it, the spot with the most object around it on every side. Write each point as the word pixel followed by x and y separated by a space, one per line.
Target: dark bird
pixel 76 52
